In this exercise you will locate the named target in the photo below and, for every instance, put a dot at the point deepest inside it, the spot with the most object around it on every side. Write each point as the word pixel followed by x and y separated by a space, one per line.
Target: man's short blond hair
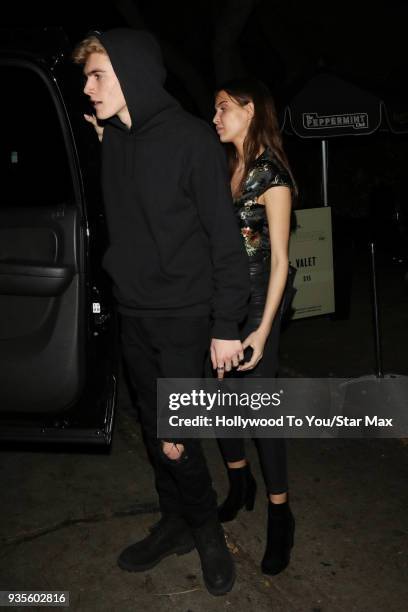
pixel 84 49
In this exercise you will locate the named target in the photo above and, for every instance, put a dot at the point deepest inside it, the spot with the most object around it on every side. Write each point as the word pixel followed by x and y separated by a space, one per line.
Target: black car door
pixel 42 247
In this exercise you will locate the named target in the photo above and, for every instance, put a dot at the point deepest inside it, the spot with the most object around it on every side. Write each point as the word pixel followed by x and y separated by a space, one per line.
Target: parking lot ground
pixel 65 516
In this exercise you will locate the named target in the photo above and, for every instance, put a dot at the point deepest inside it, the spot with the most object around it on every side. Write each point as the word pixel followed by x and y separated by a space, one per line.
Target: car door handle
pixel 21 278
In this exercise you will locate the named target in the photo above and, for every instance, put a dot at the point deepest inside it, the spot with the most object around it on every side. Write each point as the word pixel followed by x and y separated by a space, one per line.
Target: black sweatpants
pixel 165 347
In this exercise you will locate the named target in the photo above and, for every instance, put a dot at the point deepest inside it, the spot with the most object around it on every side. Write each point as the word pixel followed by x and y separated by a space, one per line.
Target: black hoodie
pixel 175 247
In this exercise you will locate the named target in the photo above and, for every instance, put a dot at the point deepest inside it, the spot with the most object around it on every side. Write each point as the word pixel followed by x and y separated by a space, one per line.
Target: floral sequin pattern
pixel 252 240
pixel 266 172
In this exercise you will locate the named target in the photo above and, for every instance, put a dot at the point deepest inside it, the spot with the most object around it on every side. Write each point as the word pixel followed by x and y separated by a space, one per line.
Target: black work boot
pixel 171 535
pixel 216 561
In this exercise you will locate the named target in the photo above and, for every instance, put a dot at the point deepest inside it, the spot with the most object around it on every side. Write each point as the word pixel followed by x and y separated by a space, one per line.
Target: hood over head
pixel 137 61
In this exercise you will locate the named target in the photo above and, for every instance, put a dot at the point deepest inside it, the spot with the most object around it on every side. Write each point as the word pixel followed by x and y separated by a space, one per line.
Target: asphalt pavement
pixel 65 516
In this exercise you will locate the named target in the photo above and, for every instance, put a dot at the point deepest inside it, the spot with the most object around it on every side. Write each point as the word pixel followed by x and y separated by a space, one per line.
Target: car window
pixel 33 158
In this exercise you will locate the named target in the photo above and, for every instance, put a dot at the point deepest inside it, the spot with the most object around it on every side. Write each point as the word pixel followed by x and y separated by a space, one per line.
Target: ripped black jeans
pixel 165 347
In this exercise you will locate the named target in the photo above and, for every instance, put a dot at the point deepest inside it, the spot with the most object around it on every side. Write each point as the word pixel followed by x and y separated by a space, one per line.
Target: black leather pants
pixel 272 451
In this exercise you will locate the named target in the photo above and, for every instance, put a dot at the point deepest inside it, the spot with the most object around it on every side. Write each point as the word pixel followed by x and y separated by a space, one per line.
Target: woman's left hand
pixel 256 340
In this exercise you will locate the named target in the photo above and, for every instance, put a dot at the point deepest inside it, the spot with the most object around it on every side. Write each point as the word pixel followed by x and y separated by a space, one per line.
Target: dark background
pixel 285 44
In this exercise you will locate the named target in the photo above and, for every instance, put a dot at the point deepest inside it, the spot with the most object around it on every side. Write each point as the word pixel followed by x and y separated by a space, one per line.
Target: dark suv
pixel 58 347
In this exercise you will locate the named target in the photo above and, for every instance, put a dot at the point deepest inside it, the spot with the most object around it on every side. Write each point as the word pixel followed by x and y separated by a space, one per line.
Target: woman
pixel 262 188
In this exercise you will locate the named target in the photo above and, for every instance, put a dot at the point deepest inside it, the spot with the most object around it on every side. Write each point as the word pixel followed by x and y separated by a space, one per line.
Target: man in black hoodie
pixel 176 259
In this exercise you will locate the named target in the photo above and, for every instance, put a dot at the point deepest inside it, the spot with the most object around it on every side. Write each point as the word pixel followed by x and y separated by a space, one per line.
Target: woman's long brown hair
pixel 263 130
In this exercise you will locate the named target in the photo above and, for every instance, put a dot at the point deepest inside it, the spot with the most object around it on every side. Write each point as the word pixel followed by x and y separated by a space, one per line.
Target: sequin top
pixel 267 171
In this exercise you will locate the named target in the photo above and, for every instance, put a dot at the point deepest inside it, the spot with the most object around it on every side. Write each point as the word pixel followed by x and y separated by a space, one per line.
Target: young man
pixel 175 257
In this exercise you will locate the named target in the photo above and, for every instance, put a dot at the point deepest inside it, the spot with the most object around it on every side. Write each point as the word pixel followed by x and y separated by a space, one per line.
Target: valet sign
pixel 311 252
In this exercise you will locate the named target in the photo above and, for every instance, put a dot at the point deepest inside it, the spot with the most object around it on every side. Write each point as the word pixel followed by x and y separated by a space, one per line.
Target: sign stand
pixel 324 171
pixel 378 354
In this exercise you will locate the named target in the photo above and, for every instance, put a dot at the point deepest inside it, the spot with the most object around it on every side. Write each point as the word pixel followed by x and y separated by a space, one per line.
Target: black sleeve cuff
pixel 223 329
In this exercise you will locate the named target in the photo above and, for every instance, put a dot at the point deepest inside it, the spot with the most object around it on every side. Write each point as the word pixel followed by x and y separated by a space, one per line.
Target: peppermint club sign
pixel 356 121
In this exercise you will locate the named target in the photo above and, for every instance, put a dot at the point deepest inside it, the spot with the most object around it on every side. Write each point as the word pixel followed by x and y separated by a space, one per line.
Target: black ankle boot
pixel 171 535
pixel 216 561
pixel 241 493
pixel 281 529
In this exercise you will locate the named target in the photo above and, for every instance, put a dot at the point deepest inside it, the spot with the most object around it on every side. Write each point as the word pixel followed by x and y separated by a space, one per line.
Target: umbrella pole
pixel 380 373
pixel 324 171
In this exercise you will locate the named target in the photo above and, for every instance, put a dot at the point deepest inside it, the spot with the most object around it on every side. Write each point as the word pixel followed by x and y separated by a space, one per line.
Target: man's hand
pixel 98 128
pixel 225 354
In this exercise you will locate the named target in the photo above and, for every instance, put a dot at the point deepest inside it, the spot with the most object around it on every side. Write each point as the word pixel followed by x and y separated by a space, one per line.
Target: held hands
pixel 225 354
pixel 98 128
pixel 256 340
